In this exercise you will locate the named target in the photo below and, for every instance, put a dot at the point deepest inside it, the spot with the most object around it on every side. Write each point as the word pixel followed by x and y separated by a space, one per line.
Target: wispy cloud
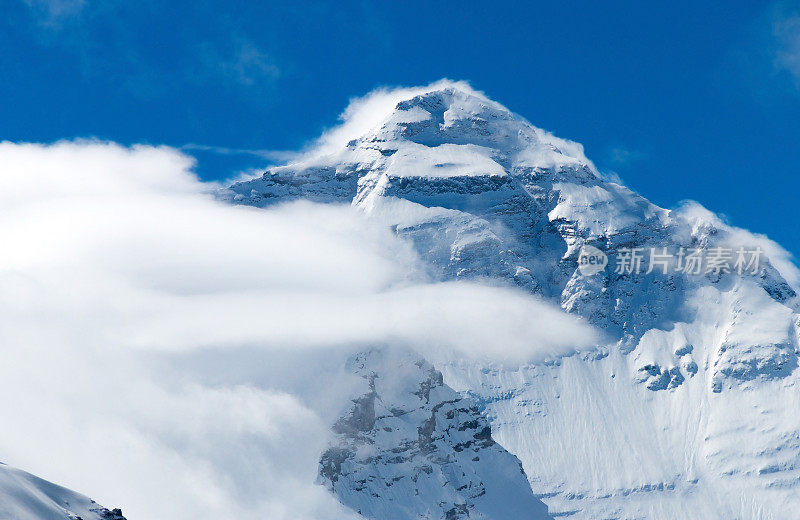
pixel 242 62
pixel 105 38
pixel 764 60
pixel 272 155
pixel 54 12
pixel 623 156
pixel 787 34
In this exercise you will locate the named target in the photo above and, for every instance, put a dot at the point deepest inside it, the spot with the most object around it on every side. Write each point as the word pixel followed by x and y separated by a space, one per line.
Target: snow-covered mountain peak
pixel 649 427
pixel 444 130
pixel 453 117
pixel 482 192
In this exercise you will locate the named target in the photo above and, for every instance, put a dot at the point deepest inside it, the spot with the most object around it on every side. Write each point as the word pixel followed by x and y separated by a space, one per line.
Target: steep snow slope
pixel 689 412
pixel 26 497
pixel 410 447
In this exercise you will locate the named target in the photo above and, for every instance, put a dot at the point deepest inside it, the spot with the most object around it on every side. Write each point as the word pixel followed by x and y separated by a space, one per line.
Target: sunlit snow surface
pixel 26 497
pixel 688 411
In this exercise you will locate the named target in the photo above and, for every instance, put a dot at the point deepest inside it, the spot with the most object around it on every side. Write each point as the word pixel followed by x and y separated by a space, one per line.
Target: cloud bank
pixel 180 357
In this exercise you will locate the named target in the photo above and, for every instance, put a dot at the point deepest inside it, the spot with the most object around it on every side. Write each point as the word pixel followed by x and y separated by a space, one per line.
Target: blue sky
pixel 681 99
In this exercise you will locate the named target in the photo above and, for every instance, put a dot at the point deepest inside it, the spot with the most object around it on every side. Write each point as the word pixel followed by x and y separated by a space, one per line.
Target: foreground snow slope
pixel 26 497
pixel 689 410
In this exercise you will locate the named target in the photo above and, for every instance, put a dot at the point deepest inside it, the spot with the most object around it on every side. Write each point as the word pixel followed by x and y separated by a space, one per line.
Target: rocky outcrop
pixel 411 447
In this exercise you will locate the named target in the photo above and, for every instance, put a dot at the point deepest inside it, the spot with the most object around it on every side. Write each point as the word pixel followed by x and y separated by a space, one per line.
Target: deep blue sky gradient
pixel 681 99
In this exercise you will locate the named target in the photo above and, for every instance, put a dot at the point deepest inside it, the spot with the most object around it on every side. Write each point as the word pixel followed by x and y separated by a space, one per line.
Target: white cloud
pixel 177 356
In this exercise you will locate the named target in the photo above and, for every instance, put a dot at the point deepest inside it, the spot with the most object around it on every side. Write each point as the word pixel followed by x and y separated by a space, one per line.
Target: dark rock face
pixel 411 447
pixel 114 514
